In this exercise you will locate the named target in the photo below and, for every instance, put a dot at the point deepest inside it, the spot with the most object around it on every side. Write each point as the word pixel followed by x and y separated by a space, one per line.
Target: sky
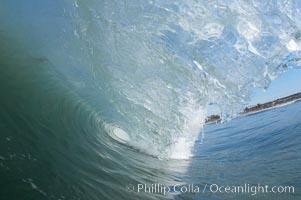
pixel 286 84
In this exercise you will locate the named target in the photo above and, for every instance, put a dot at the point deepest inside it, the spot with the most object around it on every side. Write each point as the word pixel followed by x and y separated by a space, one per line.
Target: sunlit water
pixel 99 96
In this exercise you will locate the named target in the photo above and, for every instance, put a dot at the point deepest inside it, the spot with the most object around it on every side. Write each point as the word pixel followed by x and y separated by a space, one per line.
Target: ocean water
pixel 81 163
pixel 99 97
pixel 261 148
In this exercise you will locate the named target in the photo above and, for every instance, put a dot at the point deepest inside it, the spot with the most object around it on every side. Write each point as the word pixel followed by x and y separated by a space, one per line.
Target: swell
pixel 53 142
pixel 152 68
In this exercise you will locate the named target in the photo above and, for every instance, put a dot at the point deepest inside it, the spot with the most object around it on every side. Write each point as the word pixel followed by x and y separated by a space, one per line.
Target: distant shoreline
pixel 259 107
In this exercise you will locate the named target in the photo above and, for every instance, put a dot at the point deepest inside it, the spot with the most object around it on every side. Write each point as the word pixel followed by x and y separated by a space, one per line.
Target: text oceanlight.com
pixel 157 188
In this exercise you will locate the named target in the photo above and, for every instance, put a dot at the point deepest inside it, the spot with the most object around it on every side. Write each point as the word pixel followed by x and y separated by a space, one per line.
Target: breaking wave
pixel 152 68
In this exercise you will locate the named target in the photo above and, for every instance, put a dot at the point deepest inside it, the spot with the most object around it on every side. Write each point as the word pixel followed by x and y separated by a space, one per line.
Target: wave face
pixel 167 60
pixel 151 68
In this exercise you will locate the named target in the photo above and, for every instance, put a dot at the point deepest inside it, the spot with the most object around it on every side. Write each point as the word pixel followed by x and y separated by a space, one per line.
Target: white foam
pixel 183 146
pixel 182 149
pixel 117 133
pixel 292 45
pixel 121 135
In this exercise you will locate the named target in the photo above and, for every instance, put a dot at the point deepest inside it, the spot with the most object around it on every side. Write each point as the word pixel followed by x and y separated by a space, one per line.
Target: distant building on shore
pixel 258 107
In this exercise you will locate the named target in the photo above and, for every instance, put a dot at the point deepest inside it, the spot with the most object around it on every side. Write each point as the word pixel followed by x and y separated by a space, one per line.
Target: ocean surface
pixel 107 99
pixel 74 159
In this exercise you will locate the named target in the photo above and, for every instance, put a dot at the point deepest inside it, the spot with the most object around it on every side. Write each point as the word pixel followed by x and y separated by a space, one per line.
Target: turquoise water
pixel 97 97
